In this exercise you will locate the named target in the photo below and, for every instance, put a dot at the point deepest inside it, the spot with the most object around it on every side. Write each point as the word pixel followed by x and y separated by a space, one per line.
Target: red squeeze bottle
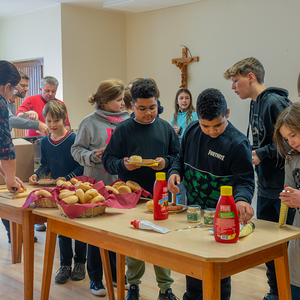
pixel 226 221
pixel 160 197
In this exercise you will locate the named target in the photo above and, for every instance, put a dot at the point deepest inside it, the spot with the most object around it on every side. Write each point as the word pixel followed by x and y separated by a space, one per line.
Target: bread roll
pixel 92 192
pixel 149 204
pixel 73 180
pixel 59 182
pixel 134 186
pixel 136 158
pixel 110 188
pixel 82 186
pixel 80 194
pixel 97 199
pixel 66 184
pixel 124 189
pixel 66 194
pixel 71 199
pixel 118 184
pixel 42 192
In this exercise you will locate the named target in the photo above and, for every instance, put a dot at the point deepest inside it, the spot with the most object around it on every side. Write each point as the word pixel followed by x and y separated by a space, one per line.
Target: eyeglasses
pixel 16 90
pixel 143 110
pixel 24 85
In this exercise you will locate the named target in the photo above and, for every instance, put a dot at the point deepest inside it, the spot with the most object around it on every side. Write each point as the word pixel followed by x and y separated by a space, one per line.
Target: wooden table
pixel 21 220
pixel 192 252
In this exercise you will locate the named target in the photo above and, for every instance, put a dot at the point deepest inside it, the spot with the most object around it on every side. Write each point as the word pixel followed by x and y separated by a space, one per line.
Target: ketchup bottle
pixel 226 221
pixel 160 197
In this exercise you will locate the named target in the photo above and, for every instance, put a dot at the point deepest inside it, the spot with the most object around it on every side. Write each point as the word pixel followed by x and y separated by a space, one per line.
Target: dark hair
pixel 143 88
pixel 211 104
pixel 55 109
pixel 191 108
pixel 8 73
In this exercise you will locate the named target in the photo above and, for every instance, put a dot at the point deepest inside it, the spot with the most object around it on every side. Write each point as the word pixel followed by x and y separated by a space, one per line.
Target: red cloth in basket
pixel 121 201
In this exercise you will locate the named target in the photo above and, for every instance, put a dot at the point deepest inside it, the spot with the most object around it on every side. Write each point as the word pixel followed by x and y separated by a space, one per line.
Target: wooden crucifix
pixel 182 63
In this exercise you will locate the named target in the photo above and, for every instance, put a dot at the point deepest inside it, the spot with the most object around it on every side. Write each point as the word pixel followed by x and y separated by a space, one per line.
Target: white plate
pixel 45 182
pixel 184 207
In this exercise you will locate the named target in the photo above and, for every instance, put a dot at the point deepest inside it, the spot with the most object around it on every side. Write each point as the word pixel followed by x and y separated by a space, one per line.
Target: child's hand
pixel 61 178
pixel 245 210
pixel 255 159
pixel 99 154
pixel 174 179
pixel 161 164
pixel 176 128
pixel 33 179
pixel 291 197
pixel 128 166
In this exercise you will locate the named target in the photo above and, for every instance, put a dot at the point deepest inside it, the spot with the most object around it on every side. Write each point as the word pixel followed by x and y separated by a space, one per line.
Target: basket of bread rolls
pixel 42 200
pixel 80 195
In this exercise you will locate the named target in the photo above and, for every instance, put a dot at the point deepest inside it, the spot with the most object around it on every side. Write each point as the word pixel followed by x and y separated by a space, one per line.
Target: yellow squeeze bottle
pixel 284 208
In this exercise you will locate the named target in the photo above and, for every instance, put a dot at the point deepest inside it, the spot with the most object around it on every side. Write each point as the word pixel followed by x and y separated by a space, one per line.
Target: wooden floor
pixel 248 285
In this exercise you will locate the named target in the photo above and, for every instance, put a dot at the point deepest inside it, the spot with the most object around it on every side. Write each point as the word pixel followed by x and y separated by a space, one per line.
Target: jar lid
pixel 194 206
pixel 210 209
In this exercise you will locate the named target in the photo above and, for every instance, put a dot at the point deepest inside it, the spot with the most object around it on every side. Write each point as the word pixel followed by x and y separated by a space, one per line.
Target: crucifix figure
pixel 182 63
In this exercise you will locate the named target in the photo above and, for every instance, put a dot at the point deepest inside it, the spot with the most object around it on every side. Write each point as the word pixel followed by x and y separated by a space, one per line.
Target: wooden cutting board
pixel 8 195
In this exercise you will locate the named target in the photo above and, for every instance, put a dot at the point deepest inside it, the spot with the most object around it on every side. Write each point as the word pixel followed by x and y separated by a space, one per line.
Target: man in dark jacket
pixel 266 105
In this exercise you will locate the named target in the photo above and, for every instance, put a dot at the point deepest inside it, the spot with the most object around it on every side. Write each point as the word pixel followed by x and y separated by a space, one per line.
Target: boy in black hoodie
pixel 247 77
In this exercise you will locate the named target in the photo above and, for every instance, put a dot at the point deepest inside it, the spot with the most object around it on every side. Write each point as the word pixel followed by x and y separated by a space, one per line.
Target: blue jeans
pixel 269 210
pixel 295 292
pixel 194 289
pixel 66 251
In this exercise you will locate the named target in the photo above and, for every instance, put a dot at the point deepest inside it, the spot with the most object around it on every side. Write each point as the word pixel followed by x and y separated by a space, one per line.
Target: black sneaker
pixel 97 288
pixel 64 273
pixel 133 293
pixel 168 295
pixel 78 272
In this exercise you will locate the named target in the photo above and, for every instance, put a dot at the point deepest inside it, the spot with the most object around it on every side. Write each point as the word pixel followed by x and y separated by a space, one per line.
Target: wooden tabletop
pixel 193 243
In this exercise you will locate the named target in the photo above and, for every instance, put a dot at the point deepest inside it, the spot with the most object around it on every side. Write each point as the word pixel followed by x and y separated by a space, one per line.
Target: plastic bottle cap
pixel 226 190
pixel 160 176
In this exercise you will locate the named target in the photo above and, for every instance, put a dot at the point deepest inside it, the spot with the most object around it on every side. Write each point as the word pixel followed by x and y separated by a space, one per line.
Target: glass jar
pixel 209 214
pixel 194 213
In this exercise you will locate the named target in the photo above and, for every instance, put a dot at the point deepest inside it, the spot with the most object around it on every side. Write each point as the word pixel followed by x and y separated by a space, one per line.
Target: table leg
pixel 121 276
pixel 28 250
pixel 211 282
pixel 283 275
pixel 48 260
pixel 16 247
pixel 107 273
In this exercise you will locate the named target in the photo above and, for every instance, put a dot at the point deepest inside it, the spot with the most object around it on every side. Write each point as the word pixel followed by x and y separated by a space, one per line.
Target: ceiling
pixel 10 8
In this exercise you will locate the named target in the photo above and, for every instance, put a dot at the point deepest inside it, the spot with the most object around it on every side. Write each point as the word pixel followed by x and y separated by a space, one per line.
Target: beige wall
pixel 34 35
pixel 93 49
pixel 82 47
pixel 220 33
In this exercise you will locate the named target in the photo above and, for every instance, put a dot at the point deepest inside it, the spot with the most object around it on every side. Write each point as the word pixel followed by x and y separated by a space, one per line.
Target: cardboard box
pixel 24 157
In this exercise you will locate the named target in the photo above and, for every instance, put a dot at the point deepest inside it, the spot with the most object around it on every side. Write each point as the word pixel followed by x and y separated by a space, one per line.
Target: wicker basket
pixel 89 213
pixel 45 202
